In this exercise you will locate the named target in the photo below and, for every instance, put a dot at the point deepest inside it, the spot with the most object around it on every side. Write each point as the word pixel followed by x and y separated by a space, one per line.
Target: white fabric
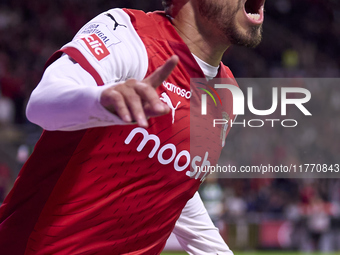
pixel 128 57
pixel 209 71
pixel 196 233
pixel 67 98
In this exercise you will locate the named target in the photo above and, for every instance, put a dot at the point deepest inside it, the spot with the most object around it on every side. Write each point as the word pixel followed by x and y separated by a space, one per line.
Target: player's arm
pixel 68 98
pixel 196 232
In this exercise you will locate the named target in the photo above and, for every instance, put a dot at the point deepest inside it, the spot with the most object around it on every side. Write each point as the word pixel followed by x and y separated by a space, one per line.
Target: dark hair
pixel 167 4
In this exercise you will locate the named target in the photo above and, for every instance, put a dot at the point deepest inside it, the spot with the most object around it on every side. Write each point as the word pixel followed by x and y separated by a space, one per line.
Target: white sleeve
pixel 68 98
pixel 196 232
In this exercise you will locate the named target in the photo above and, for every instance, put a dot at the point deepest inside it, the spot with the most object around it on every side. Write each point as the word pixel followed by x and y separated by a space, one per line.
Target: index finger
pixel 161 73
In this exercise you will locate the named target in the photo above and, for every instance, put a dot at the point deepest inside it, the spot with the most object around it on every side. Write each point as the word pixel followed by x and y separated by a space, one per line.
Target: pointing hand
pixel 137 100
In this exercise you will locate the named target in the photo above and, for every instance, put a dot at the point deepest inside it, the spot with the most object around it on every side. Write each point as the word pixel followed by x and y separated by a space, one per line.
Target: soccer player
pixel 114 170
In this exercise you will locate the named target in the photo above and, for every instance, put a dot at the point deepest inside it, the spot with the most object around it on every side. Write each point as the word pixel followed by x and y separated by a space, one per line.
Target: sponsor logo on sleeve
pixel 102 31
pixel 116 24
pixel 96 46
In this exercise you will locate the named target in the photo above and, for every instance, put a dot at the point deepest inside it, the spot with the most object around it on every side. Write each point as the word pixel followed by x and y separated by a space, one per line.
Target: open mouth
pixel 254 10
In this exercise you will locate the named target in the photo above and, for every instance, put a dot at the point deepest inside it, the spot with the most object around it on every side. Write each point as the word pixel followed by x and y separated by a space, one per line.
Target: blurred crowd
pixel 306 212
pixel 301 39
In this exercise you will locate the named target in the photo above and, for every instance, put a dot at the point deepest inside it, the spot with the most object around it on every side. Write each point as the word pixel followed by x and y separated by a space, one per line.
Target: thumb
pixel 161 73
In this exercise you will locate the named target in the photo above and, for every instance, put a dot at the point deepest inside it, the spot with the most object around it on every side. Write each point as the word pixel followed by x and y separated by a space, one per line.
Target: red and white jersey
pixel 93 184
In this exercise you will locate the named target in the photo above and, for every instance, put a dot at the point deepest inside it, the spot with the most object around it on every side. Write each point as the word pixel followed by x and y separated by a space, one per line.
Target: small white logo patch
pixel 166 99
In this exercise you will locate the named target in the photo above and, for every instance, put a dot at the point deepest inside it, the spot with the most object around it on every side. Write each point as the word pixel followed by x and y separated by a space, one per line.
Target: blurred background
pixel 301 39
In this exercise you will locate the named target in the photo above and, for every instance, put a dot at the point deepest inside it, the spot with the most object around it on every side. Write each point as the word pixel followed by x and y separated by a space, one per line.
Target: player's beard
pixel 223 16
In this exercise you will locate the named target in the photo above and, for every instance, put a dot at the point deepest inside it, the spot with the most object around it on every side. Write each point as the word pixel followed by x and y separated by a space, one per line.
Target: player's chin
pixel 251 37
pixel 255 37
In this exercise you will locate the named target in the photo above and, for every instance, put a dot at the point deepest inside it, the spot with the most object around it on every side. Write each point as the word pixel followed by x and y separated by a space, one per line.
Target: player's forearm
pixel 63 103
pixel 69 109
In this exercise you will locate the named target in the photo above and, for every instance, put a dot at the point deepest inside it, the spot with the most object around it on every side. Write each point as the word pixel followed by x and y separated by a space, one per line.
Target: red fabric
pixel 99 190
pixel 21 208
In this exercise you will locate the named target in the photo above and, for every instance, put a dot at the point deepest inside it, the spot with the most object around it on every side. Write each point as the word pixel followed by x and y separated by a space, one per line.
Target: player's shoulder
pixel 141 15
pixel 110 26
pixel 127 18
pixel 111 45
pixel 152 24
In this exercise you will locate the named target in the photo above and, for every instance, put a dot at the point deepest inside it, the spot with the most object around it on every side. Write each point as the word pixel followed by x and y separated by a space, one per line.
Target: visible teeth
pixel 254 16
